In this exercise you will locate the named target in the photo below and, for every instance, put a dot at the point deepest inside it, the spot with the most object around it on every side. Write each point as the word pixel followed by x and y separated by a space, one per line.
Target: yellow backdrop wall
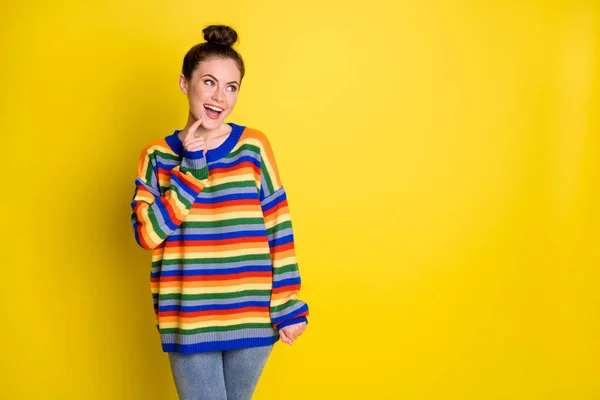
pixel 442 166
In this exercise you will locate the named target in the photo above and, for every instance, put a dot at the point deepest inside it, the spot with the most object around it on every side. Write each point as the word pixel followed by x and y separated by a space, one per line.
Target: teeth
pixel 217 109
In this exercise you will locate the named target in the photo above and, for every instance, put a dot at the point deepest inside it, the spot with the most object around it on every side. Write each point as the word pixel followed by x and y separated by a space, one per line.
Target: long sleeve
pixel 155 216
pixel 285 308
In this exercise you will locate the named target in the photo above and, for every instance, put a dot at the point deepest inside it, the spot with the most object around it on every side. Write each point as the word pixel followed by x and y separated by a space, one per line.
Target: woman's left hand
pixel 291 332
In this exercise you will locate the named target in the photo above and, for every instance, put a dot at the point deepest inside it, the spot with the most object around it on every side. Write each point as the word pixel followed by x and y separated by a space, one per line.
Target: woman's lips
pixel 212 114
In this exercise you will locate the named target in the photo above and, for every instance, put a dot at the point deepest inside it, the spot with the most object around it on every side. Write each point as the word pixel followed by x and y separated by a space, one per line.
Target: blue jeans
pixel 218 375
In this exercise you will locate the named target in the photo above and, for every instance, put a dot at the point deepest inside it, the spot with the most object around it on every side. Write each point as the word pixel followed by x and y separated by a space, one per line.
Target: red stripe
pixel 189 182
pixel 282 247
pixel 220 277
pixel 144 244
pixel 276 208
pixel 284 289
pixel 142 227
pixel 192 314
pixel 227 203
pixel 183 177
pixel 218 242
pixel 244 164
pixel 162 171
pixel 169 208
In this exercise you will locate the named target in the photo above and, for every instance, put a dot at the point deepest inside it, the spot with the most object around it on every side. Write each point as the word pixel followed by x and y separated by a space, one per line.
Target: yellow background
pixel 442 162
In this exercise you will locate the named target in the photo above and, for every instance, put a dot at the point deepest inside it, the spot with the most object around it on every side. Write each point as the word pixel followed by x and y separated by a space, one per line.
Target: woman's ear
pixel 183 84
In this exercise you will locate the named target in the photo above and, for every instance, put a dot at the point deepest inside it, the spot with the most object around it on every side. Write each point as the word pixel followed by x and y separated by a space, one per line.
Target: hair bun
pixel 220 34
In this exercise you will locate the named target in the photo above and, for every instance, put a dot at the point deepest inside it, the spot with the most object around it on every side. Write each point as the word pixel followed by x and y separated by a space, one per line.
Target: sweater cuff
pixel 292 322
pixel 194 162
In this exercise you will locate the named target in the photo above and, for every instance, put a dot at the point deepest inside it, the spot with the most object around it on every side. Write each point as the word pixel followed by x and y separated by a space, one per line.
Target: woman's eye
pixel 209 82
pixel 231 88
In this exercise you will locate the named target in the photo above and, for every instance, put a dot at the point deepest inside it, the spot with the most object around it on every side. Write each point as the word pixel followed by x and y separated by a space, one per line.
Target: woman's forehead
pixel 224 69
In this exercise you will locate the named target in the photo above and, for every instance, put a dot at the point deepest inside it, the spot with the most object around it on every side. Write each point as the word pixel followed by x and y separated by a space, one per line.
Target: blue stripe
pixel 292 322
pixel 211 307
pixel 227 197
pixel 193 155
pixel 276 201
pixel 137 237
pixel 289 316
pixel 220 345
pixel 177 183
pixel 160 207
pixel 212 272
pixel 281 241
pixel 241 159
pixel 165 166
pixel 140 184
pixel 218 236
pixel 286 282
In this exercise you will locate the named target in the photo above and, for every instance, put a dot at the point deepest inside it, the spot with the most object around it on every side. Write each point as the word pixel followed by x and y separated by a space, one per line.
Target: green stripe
pixel 216 329
pixel 181 197
pixel 245 147
pixel 214 296
pixel 284 269
pixel 167 156
pixel 222 223
pixel 156 153
pixel 152 157
pixel 224 260
pixel 149 172
pixel 280 226
pixel 155 225
pixel 287 304
pixel 267 178
pixel 230 185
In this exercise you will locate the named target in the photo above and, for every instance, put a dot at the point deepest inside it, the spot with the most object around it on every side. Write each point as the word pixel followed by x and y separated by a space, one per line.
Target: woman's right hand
pixel 191 142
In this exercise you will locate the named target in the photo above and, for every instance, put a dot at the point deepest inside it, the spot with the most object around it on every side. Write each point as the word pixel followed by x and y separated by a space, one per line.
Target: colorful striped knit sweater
pixel 224 270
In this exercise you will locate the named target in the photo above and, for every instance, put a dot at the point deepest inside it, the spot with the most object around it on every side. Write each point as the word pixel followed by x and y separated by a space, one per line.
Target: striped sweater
pixel 224 271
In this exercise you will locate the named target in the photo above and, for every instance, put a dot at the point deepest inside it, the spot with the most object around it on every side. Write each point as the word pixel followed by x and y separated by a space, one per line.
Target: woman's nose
pixel 218 94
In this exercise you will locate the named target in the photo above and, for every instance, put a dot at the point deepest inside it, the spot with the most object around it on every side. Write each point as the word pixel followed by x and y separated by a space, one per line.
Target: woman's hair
pixel 219 39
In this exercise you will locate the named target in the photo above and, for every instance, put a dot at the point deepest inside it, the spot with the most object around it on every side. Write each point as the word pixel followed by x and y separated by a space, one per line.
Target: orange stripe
pixel 227 203
pixel 268 152
pixel 213 284
pixel 273 216
pixel 189 180
pixel 277 293
pixel 206 313
pixel 221 210
pixel 243 168
pixel 216 278
pixel 280 255
pixel 228 317
pixel 217 249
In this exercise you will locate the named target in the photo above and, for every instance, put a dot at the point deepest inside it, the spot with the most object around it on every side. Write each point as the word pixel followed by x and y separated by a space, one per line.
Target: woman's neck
pixel 207 134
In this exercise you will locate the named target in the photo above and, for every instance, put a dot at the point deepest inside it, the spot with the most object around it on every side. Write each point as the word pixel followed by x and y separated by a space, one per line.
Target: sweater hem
pixel 218 346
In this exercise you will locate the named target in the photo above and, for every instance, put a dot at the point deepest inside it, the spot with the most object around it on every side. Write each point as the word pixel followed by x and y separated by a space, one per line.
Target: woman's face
pixel 212 91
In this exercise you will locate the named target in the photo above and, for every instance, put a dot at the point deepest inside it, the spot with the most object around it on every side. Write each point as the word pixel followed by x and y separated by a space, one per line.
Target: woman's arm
pixel 156 216
pixel 286 309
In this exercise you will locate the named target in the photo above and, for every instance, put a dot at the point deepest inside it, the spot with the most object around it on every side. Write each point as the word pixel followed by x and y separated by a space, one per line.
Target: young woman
pixel 210 204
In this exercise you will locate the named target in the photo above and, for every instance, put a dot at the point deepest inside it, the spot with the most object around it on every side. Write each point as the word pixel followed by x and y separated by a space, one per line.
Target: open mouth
pixel 213 112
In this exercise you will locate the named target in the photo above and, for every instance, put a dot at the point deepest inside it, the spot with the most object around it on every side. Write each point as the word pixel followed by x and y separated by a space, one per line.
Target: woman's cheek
pixel 232 100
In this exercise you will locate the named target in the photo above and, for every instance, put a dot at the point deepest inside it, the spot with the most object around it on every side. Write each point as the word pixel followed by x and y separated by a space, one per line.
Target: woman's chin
pixel 211 124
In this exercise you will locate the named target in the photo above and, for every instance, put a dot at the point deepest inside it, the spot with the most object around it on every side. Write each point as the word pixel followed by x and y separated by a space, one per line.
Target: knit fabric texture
pixel 224 271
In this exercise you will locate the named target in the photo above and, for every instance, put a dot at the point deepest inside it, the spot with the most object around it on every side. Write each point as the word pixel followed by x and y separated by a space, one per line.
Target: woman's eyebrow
pixel 236 82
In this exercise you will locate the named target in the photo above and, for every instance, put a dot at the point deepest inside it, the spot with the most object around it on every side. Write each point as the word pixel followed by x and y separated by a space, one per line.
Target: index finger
pixel 192 129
